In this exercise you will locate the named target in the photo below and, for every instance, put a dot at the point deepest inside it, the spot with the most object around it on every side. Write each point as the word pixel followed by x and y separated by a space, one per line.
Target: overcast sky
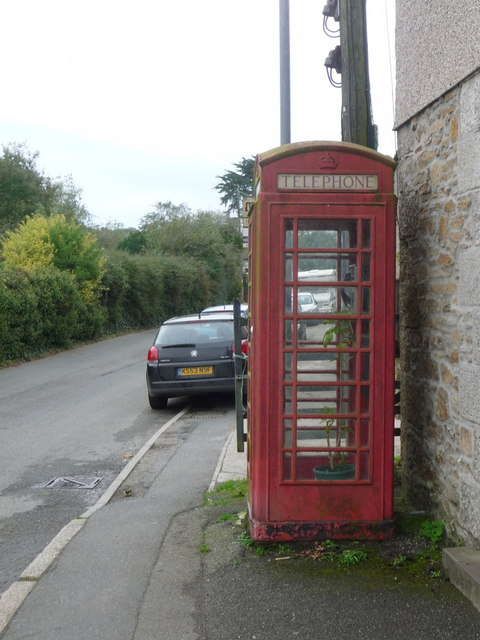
pixel 152 100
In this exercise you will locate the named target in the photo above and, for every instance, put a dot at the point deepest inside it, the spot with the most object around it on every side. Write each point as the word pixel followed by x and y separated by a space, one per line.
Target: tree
pixel 235 185
pixel 26 190
pixel 23 189
pixel 111 234
pixel 165 211
pixel 67 199
pixel 135 242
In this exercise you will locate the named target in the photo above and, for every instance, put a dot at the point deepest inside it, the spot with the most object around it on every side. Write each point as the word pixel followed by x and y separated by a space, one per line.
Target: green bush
pixel 43 310
pixel 19 317
pixel 57 307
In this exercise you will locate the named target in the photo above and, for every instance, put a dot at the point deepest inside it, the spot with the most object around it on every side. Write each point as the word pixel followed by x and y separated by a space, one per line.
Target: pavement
pixel 163 565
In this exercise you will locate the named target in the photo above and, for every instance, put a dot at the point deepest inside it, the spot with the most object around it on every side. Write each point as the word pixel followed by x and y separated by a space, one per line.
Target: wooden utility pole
pixel 357 125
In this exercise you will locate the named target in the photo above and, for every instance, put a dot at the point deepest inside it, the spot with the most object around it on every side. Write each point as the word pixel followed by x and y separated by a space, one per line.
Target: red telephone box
pixel 320 410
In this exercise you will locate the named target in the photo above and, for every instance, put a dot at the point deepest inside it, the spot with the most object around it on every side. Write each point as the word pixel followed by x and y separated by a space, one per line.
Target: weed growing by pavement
pixel 28 579
pixel 397 562
pixel 225 517
pixel 397 470
pixel 263 549
pixel 284 548
pixel 430 537
pixel 204 547
pixel 350 557
pixel 432 530
pixel 226 492
pixel 245 540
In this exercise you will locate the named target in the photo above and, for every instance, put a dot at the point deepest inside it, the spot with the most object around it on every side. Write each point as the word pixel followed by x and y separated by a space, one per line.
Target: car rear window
pixel 195 333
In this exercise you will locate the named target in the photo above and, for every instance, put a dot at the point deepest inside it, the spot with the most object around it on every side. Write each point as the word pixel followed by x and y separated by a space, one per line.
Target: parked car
pixel 191 355
pixel 307 304
pixel 325 300
pixel 227 307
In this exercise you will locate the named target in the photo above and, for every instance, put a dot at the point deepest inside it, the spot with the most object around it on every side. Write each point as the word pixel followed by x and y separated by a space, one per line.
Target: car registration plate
pixel 195 371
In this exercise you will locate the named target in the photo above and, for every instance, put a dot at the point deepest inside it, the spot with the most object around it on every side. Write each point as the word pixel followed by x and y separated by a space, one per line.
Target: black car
pixel 191 355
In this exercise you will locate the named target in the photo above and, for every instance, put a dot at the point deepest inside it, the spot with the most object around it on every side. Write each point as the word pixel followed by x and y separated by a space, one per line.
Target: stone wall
pixel 438 186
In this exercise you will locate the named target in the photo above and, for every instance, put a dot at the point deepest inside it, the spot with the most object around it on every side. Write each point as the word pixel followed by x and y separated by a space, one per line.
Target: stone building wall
pixel 438 186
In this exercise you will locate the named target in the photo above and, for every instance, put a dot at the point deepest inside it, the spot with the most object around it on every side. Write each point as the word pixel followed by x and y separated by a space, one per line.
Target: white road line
pixel 220 462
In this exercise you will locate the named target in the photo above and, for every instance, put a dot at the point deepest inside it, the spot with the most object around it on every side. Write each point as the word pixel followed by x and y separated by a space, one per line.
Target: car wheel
pixel 158 402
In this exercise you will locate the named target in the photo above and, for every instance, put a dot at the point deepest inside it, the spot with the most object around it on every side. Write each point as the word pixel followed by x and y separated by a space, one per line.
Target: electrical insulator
pixel 334 60
pixel 331 10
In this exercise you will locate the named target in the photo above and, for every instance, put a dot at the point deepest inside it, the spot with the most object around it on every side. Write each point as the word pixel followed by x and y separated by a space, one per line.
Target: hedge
pixel 142 290
pixel 44 310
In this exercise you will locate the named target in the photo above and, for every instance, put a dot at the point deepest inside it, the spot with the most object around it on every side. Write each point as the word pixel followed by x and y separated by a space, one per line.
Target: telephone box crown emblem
pixel 327 162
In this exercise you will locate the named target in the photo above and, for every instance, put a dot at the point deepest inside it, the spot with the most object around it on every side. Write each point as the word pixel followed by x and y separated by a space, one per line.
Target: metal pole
pixel 284 72
pixel 239 376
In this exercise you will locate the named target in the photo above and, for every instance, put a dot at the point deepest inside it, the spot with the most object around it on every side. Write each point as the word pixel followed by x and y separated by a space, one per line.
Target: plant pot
pixel 342 471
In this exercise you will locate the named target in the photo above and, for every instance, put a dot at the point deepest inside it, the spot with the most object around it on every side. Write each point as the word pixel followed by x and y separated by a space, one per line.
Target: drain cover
pixel 207 414
pixel 73 482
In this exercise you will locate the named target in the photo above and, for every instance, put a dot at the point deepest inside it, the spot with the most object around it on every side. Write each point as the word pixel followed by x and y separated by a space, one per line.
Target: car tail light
pixel 153 355
pixel 243 347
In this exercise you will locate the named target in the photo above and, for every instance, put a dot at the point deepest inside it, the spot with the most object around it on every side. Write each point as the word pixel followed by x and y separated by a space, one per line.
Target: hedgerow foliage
pixel 143 290
pixel 62 283
pixel 213 240
pixel 42 310
pixel 58 286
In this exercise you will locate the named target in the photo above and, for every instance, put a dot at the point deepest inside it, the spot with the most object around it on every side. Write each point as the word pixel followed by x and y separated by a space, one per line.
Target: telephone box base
pixel 309 531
